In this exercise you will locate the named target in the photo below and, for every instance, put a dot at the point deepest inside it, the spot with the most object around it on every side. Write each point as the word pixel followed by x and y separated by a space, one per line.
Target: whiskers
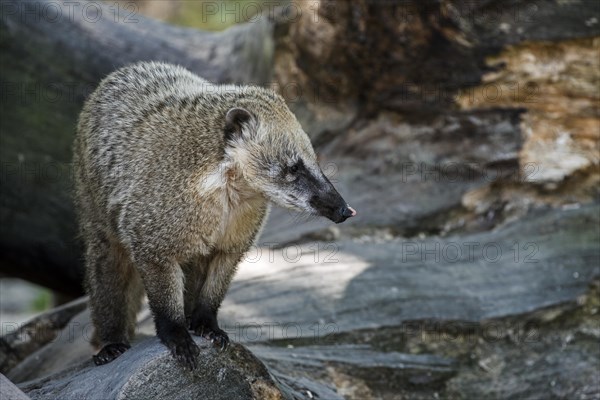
pixel 303 216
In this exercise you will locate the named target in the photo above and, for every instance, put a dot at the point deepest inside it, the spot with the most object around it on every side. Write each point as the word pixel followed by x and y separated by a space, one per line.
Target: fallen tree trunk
pixel 434 323
pixel 236 374
pixel 21 341
pixel 54 54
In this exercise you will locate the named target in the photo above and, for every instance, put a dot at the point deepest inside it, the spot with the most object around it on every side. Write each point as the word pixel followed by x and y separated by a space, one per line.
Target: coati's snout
pixel 330 204
pixel 303 186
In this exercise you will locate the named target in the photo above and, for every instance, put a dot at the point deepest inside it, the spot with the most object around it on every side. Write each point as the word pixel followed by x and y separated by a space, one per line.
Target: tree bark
pixel 439 115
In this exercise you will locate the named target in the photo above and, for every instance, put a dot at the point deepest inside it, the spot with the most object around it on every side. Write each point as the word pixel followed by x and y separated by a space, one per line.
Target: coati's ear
pixel 235 121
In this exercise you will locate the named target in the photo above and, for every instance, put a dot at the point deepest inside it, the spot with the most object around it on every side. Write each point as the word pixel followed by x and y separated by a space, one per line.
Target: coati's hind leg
pixel 115 292
pixel 219 273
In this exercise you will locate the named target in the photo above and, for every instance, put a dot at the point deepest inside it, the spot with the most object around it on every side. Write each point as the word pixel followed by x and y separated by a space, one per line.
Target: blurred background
pixel 203 14
pixel 465 133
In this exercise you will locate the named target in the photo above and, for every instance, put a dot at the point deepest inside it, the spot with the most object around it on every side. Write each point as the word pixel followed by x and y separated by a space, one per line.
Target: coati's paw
pixel 217 336
pixel 204 323
pixel 183 348
pixel 110 352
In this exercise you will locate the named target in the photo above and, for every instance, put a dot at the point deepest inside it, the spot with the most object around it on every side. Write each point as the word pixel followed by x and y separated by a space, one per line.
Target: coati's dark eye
pixel 294 168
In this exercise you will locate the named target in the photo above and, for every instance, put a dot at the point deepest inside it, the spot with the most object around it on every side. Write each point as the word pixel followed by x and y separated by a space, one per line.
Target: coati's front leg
pixel 164 287
pixel 219 272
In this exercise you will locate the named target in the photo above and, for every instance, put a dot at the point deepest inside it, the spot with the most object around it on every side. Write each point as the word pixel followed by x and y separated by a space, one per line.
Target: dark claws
pixel 109 352
pixel 218 338
pixel 182 346
pixel 204 323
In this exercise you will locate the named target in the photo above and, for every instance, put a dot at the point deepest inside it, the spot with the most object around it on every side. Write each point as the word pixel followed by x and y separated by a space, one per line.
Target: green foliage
pixel 217 15
pixel 43 301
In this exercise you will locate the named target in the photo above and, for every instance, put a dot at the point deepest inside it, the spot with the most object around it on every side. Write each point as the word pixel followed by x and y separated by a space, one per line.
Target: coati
pixel 173 181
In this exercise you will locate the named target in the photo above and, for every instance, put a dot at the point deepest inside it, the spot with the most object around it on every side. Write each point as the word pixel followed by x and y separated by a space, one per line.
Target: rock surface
pixel 8 391
pixel 395 320
pixel 151 372
pixel 360 363
pixel 545 259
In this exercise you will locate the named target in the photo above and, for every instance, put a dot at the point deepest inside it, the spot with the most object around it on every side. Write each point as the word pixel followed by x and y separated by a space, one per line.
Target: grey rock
pixel 381 293
pixel 8 391
pixel 150 372
pixel 547 258
pixel 391 369
pixel 65 362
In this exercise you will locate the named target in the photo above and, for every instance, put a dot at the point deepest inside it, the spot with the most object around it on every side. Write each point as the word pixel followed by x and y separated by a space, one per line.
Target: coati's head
pixel 277 159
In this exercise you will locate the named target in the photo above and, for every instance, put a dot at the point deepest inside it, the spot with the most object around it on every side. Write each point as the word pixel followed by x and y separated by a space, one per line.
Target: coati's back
pixel 147 121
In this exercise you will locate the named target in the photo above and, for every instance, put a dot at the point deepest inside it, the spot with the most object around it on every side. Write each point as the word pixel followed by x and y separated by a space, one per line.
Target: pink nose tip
pixel 352 210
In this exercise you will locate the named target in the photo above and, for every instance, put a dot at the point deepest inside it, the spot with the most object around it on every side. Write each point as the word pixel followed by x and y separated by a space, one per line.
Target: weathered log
pixel 151 372
pixel 413 57
pixel 21 341
pixel 443 115
pixel 54 53
pixel 318 289
pixel 392 291
pixel 8 391
pixel 360 363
